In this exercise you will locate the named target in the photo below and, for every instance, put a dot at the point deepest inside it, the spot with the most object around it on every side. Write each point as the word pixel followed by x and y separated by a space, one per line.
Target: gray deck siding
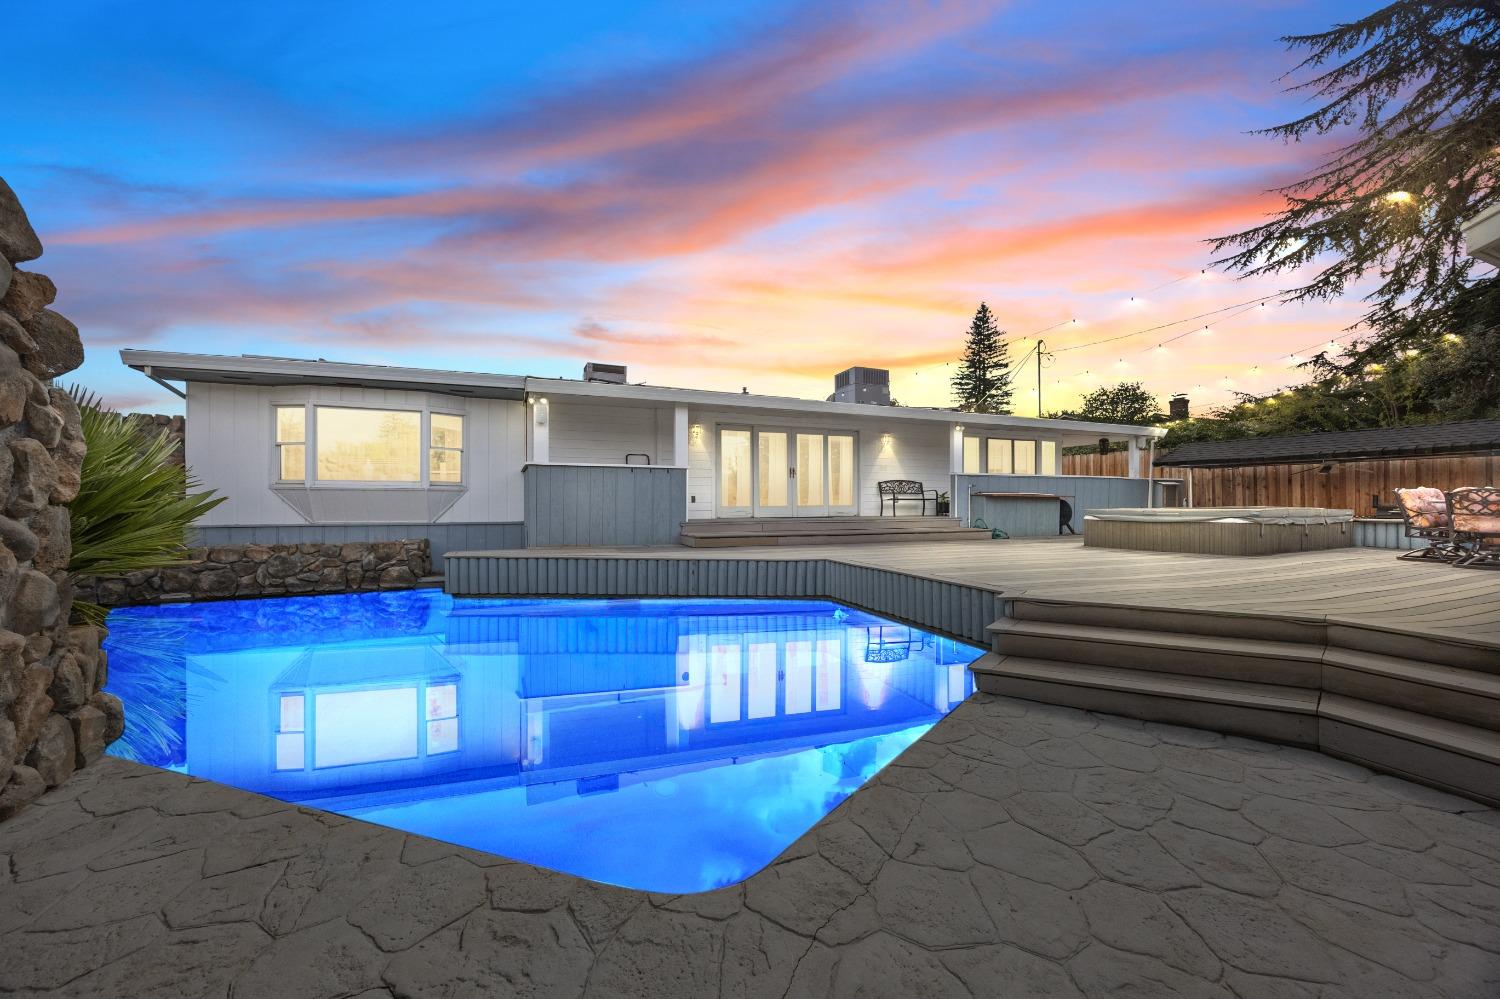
pixel 572 505
pixel 1084 492
pixel 950 608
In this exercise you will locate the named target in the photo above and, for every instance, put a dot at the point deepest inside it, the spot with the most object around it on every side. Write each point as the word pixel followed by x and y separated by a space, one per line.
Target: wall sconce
pixel 958 429
pixel 695 433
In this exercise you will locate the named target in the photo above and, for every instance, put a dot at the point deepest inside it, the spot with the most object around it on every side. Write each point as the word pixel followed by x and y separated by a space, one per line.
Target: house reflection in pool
pixel 381 701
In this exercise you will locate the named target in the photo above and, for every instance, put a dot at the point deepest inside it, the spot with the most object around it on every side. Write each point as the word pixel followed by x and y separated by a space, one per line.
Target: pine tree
pixel 982 382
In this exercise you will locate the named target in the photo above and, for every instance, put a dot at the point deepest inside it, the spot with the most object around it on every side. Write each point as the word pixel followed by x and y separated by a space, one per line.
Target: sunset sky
pixel 718 195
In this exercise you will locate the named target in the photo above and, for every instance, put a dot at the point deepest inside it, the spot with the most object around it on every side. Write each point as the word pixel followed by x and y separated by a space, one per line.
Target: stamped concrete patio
pixel 1017 850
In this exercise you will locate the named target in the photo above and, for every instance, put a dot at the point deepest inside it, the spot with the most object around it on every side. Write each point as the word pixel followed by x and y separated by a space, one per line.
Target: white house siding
pixel 593 434
pixel 230 447
pixel 888 449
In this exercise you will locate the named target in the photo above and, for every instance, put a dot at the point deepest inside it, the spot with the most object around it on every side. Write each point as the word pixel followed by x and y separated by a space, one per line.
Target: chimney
pixel 868 385
pixel 1177 408
pixel 611 374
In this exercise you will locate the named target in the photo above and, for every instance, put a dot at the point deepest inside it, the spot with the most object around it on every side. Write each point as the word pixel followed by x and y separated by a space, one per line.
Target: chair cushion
pixel 1425 507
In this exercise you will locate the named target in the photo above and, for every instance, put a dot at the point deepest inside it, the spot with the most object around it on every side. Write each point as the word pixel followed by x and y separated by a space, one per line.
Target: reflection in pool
pixel 668 745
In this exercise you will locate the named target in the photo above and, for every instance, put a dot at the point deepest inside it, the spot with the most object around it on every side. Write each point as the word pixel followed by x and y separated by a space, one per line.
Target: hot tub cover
pixel 1226 515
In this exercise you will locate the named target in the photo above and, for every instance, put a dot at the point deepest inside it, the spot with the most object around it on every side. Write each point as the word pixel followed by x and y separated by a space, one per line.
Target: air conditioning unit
pixel 613 374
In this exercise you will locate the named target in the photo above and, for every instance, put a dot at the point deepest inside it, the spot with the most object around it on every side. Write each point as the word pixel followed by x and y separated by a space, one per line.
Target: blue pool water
pixel 666 745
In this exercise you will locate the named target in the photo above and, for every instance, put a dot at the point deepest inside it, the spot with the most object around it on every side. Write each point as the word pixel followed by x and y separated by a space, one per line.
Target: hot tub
pixel 1220 530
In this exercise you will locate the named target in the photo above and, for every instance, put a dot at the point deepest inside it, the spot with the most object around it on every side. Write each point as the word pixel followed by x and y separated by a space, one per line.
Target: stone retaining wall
pixel 53 716
pixel 225 571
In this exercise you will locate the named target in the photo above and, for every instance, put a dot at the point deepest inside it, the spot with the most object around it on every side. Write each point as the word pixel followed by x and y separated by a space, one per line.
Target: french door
pixel 776 472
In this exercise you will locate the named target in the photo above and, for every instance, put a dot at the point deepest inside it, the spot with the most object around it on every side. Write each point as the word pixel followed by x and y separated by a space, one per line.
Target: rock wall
pixel 226 571
pixel 175 428
pixel 53 717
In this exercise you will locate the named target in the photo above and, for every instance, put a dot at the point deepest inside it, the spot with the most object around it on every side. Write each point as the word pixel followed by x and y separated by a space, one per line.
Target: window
pixel 291 443
pixel 442 718
pixel 1025 457
pixel 368 445
pixel 291 726
pixel 998 457
pixel 971 456
pixel 1049 458
pixel 445 452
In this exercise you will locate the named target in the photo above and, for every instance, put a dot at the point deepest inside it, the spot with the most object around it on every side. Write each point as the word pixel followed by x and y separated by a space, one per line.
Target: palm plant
pixel 135 503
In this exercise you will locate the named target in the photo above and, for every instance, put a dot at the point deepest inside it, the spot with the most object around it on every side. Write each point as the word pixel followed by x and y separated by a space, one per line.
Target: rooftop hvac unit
pixel 613 374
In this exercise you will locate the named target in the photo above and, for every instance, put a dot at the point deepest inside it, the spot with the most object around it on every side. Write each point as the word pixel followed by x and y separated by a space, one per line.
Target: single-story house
pixel 313 450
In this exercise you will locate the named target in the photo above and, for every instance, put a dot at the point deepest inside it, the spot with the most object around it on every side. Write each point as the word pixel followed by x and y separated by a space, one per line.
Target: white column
pixel 541 446
pixel 1134 467
pixel 1151 472
pixel 956 450
pixel 680 436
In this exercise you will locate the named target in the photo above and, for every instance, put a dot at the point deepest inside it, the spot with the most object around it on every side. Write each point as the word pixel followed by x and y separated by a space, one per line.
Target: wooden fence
pixel 1348 486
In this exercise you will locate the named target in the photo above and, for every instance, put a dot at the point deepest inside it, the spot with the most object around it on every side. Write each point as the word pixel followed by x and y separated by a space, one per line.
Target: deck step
pixel 1459 758
pixel 1188 621
pixel 832 538
pixel 814 525
pixel 1434 689
pixel 1289 664
pixel 1261 710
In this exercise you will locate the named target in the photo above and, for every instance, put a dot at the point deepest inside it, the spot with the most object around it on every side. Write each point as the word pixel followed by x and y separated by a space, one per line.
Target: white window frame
pixel 278 444
pixel 983 442
pixel 310 446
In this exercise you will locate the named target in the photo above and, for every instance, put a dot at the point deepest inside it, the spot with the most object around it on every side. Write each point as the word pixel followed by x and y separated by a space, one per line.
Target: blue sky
pixel 714 194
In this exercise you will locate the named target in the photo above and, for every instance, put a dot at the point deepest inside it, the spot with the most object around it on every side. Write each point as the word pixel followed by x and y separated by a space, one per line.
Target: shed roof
pixel 1467 437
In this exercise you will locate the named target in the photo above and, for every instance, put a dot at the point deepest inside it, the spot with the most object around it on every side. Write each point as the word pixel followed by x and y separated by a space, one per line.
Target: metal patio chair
pixel 1425 516
pixel 1475 515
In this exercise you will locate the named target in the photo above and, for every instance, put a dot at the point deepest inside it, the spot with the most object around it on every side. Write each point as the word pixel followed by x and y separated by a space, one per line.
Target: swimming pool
pixel 665 745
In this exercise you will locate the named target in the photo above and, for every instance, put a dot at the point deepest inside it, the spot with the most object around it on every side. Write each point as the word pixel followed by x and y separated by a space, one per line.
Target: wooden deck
pixel 1368 586
pixel 1392 664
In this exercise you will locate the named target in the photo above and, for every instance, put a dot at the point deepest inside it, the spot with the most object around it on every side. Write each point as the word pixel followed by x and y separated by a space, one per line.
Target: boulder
pixel 19 538
pixel 34 605
pixel 72 419
pixel 35 475
pixel 89 725
pixel 6 274
pixel 114 715
pixel 32 706
pixel 28 294
pixel 179 579
pixel 44 422
pixel 68 460
pixel 18 241
pixel 54 755
pixel 58 348
pixel 217 583
pixel 15 384
pixel 397 577
pixel 26 785
pixel 35 649
pixel 8 749
pixel 70 688
pixel 52 527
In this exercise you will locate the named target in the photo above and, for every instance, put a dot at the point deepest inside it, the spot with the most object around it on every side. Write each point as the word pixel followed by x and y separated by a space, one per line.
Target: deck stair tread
pixel 1157 639
pixel 1469 740
pixel 849 538
pixel 773 531
pixel 1238 693
pixel 1468 681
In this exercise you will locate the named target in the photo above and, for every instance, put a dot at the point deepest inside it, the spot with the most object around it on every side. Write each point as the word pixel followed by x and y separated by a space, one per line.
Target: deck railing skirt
pixel 950 608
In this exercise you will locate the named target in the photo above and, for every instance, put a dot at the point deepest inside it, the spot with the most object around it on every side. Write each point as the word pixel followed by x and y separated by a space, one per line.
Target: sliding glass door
pixel 774 472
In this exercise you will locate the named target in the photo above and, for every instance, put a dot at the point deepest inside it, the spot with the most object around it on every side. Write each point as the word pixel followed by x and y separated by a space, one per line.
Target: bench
pixel 905 491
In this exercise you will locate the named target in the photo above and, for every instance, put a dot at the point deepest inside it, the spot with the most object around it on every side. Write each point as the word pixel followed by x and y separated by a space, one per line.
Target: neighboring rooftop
pixel 1467 437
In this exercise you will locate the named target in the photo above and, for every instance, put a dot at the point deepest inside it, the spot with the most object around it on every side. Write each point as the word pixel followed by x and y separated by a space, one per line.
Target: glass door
pixel 773 478
pixel 810 473
pixel 843 494
pixel 736 472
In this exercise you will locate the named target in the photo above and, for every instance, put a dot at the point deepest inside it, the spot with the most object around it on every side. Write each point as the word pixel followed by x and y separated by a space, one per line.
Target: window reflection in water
pixel 477 720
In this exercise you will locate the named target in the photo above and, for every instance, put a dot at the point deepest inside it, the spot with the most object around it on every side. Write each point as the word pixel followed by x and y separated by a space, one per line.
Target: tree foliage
pixel 135 503
pixel 982 382
pixel 1127 402
pixel 1420 83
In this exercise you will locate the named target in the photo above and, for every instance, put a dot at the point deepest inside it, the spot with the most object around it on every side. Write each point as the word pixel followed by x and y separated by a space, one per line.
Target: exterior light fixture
pixel 1399 198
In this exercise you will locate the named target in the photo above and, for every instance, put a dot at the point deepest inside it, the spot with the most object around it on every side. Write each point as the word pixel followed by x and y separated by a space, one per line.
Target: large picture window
pixel 368 445
pixel 1005 456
